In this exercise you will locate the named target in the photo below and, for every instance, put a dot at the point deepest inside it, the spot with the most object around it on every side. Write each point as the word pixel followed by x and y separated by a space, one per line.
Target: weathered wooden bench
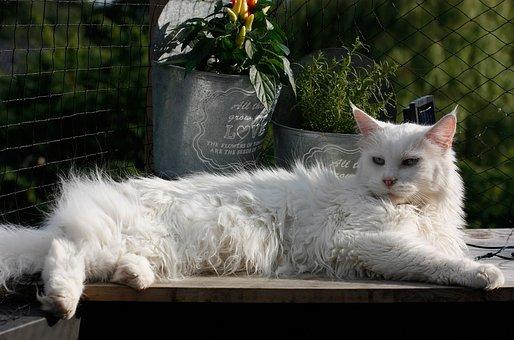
pixel 307 289
pixel 122 310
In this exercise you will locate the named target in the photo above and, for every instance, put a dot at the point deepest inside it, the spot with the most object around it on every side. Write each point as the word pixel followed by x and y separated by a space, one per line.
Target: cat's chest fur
pixel 344 204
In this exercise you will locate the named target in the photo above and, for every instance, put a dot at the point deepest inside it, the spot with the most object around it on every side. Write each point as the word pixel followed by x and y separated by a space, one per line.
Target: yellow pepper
pixel 237 6
pixel 243 14
pixel 231 15
pixel 249 22
pixel 241 37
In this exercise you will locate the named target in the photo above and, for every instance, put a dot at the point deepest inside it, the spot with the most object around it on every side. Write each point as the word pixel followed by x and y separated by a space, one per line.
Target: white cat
pixel 399 218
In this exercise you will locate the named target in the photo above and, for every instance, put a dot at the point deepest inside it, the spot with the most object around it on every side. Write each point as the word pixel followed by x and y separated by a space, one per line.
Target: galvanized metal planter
pixel 292 144
pixel 339 151
pixel 204 121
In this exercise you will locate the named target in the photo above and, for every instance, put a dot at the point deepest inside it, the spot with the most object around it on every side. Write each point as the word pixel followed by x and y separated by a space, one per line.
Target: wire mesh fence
pixel 74 85
pixel 73 82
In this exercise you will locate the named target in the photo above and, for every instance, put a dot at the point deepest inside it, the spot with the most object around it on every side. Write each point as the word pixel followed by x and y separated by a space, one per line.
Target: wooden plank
pixel 309 288
pixel 493 237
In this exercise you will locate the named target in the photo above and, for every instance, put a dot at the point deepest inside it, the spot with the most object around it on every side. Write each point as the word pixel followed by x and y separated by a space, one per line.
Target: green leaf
pixel 274 35
pixel 269 25
pixel 265 87
pixel 226 44
pixel 282 47
pixel 271 67
pixel 249 48
pixel 178 59
pixel 289 73
pixel 200 52
pixel 192 35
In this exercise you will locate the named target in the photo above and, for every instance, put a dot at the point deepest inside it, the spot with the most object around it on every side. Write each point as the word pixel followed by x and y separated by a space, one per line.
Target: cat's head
pixel 407 163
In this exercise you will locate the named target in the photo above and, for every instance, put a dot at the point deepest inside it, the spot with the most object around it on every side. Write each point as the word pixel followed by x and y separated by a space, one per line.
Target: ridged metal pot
pixel 337 150
pixel 292 143
pixel 204 121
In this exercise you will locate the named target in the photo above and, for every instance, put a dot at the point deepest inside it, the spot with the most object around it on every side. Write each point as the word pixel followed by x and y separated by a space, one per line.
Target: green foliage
pixel 326 87
pixel 218 43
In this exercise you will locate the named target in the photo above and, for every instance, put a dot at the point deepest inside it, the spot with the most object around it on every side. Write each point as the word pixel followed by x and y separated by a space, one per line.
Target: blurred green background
pixel 73 86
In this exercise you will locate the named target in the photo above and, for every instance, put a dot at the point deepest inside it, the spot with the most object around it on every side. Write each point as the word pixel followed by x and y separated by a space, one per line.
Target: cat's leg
pixel 63 276
pixel 134 271
pixel 398 257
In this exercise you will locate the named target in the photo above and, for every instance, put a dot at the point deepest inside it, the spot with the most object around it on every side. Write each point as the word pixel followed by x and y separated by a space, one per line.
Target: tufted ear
pixel 367 124
pixel 443 131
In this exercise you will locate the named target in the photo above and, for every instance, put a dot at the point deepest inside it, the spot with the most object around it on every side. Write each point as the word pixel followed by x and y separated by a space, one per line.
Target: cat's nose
pixel 389 181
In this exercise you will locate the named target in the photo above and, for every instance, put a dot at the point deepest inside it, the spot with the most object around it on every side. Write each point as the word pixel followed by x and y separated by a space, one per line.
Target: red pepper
pixel 251 4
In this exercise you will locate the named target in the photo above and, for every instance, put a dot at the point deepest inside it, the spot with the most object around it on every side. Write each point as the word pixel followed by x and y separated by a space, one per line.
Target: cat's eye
pixel 378 161
pixel 410 161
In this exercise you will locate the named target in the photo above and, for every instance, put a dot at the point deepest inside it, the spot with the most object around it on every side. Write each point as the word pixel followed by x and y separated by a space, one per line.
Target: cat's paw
pixel 63 306
pixel 134 271
pixel 486 276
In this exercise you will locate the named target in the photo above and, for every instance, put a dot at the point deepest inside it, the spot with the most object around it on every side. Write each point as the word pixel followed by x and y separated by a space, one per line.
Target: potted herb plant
pixel 318 125
pixel 214 92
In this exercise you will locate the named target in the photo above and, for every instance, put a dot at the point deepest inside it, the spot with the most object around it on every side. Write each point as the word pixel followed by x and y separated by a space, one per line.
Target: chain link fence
pixel 74 85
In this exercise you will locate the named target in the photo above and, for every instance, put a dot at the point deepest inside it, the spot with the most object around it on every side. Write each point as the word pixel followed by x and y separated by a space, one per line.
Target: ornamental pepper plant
pixel 237 38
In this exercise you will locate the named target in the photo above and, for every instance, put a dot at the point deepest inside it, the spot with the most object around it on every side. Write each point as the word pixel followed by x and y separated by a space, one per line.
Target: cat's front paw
pixel 134 271
pixel 486 276
pixel 63 306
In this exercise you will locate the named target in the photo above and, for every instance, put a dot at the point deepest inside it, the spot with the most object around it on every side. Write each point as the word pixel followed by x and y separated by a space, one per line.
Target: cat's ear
pixel 443 131
pixel 367 125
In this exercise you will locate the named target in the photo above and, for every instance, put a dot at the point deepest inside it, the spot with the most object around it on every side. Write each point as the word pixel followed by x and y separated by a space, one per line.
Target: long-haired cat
pixel 398 218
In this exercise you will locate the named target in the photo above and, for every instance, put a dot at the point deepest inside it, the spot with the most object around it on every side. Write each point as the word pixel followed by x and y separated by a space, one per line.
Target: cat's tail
pixel 22 251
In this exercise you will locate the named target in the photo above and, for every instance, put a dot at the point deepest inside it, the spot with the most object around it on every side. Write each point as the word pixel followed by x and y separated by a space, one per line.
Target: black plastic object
pixel 420 111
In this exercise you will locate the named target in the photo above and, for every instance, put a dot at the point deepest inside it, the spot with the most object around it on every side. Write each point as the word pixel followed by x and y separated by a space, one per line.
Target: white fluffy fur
pixel 269 222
